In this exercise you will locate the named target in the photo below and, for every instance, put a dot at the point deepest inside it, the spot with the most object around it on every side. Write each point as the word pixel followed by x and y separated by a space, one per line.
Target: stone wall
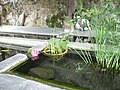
pixel 30 12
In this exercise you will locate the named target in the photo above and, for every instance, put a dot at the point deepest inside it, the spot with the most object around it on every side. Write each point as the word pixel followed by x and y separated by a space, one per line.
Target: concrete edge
pixel 4 65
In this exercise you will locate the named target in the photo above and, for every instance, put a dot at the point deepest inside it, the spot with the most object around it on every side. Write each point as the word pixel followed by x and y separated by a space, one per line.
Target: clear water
pixel 73 71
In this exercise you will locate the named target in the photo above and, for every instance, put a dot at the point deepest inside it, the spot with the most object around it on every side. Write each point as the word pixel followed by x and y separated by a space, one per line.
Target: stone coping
pixel 91 47
pixel 78 33
pixel 31 30
pixel 22 41
pixel 44 31
pixel 11 62
pixel 13 82
pixel 19 58
pixel 81 46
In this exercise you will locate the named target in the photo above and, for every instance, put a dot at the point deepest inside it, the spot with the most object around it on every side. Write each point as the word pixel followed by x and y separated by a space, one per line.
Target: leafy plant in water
pixel 107 39
pixel 57 46
pixel 108 44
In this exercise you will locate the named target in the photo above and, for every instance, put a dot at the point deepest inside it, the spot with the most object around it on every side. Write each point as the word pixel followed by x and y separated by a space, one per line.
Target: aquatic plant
pixel 56 48
pixel 108 44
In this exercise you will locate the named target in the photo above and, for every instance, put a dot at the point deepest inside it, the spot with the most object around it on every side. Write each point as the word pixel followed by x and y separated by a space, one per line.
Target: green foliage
pixel 29 52
pixel 85 56
pixel 57 46
pixel 104 17
pixel 108 45
pixel 102 8
pixel 68 21
pixel 3 51
pixel 55 20
pixel 83 12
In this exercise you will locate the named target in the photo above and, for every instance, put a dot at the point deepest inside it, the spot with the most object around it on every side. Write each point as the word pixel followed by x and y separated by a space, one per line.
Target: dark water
pixel 73 71
pixel 9 53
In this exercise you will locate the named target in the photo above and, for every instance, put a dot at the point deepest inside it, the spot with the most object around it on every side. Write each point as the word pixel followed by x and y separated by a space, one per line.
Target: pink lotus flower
pixel 34 54
pixel 35 58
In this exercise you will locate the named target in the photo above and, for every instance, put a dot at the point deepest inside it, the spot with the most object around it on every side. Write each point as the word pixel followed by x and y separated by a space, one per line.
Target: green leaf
pixel 4 50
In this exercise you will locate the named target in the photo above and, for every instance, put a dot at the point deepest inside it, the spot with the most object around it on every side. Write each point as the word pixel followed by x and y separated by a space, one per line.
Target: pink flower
pixel 34 52
pixel 35 58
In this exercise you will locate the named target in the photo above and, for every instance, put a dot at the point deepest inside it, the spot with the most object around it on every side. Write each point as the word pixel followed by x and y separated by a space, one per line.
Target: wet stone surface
pixel 12 61
pixel 42 72
pixel 22 30
pixel 12 82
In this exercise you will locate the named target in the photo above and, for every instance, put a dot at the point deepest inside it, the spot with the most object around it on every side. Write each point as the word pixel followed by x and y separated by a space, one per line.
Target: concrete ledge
pixel 12 62
pixel 92 47
pixel 82 46
pixel 12 82
pixel 22 41
pixel 31 30
pixel 22 44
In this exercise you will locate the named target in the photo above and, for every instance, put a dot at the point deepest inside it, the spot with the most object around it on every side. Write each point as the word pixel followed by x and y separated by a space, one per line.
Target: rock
pixel 31 19
pixel 3 11
pixel 0 10
pixel 85 79
pixel 21 19
pixel 11 62
pixel 42 73
pixel 12 19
